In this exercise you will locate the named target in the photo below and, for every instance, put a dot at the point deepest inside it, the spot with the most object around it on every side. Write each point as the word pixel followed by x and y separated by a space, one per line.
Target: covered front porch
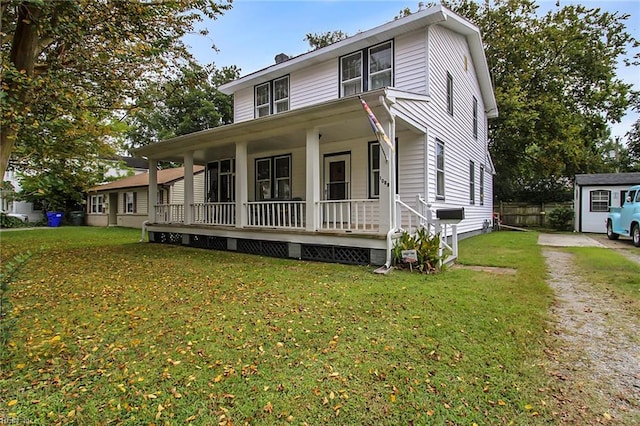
pixel 315 177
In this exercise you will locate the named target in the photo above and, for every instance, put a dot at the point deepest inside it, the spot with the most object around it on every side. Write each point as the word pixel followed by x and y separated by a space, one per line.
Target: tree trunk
pixel 22 57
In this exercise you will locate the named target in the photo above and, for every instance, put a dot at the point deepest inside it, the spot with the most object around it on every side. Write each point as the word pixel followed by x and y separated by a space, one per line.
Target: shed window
pixel 600 200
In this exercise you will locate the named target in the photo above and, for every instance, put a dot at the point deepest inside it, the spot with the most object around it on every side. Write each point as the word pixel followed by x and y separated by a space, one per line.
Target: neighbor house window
pixel 272 97
pixel 472 182
pixel 273 178
pixel 439 169
pixel 368 69
pixel 475 117
pixel 129 202
pixel 374 170
pixel 221 181
pixel 482 184
pixel 96 204
pixel 449 94
pixel 600 200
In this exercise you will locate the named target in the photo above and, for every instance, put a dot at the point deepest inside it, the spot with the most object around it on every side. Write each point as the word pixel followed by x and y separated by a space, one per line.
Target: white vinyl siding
pixel 314 85
pixel 411 62
pixel 243 108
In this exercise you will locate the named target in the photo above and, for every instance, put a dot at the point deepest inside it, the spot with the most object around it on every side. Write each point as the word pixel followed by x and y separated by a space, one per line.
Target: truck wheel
pixel 610 234
pixel 635 234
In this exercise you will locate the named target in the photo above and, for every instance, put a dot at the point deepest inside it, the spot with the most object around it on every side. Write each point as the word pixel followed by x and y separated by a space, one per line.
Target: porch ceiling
pixel 337 120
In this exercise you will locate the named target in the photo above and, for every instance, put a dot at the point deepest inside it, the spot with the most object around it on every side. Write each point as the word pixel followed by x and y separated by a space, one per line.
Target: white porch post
pixel 313 178
pixel 387 181
pixel 153 190
pixel 242 191
pixel 188 188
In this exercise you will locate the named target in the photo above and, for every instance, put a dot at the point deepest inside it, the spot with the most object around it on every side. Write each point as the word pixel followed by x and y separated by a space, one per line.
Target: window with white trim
pixel 96 204
pixel 129 203
pixel 374 170
pixel 272 97
pixel 449 94
pixel 439 169
pixel 599 200
pixel 472 182
pixel 482 184
pixel 368 69
pixel 475 117
pixel 273 178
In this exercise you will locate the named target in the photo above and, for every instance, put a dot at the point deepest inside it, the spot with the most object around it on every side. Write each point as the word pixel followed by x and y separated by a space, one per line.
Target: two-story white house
pixel 301 173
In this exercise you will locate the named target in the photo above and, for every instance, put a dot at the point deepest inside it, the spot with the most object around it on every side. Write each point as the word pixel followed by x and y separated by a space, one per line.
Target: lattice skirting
pixel 280 249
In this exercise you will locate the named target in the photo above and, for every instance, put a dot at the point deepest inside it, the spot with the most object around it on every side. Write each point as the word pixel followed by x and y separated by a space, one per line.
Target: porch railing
pixel 215 213
pixel 169 213
pixel 349 215
pixel 276 214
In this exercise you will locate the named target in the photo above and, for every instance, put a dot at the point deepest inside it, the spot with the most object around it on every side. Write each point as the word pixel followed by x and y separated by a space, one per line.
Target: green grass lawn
pixel 113 331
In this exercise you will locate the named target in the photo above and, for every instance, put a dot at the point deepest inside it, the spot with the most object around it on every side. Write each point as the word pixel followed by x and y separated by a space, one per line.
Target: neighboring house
pixel 9 205
pixel 301 174
pixel 119 167
pixel 124 202
pixel 595 193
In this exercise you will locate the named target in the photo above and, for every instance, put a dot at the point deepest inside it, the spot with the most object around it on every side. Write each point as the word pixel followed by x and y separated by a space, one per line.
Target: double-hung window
pixel 439 169
pixel 368 69
pixel 129 203
pixel 482 184
pixel 449 94
pixel 96 204
pixel 221 181
pixel 600 201
pixel 475 117
pixel 472 182
pixel 272 97
pixel 374 170
pixel 273 178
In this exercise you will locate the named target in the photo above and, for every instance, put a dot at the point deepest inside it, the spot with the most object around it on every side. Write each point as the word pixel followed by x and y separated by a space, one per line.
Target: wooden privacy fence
pixel 528 214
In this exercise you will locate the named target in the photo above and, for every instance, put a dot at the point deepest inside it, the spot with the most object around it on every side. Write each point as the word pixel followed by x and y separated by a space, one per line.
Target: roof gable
pixel 165 177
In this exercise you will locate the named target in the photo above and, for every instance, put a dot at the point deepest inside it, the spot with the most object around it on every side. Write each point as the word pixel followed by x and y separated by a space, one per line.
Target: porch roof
pixel 336 120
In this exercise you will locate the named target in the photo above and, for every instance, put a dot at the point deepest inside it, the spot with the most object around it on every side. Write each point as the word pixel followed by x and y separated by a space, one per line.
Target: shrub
pixel 561 219
pixel 10 222
pixel 427 249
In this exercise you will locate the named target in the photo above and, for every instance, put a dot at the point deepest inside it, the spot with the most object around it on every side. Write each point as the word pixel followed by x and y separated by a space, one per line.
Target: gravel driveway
pixel 598 344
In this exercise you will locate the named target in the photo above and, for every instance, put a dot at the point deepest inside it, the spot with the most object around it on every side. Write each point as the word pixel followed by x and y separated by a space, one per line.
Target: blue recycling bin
pixel 54 219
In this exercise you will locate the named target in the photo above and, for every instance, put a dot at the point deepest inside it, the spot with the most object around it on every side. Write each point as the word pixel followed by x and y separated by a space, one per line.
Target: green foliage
pixel 556 89
pixel 561 219
pixel 318 40
pixel 8 275
pixel 182 104
pixel 11 222
pixel 427 249
pixel 69 67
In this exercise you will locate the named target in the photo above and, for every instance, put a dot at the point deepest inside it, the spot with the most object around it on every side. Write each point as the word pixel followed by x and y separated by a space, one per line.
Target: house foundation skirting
pixel 356 250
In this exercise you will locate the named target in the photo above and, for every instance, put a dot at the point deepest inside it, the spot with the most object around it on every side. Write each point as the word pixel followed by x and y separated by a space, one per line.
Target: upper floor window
pixel 439 169
pixel 368 69
pixel 475 117
pixel 449 94
pixel 272 97
pixel 600 201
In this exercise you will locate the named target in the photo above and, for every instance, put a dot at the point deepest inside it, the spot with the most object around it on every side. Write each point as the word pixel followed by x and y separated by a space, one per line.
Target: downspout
pixel 392 178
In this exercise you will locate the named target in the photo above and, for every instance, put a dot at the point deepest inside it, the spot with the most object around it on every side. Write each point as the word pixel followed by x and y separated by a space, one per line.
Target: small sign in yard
pixel 409 256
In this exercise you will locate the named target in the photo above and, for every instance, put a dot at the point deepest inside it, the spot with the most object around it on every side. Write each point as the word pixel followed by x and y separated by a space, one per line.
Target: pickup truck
pixel 625 220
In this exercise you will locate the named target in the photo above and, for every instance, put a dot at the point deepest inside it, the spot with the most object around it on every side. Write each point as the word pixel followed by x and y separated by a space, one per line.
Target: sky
pixel 254 31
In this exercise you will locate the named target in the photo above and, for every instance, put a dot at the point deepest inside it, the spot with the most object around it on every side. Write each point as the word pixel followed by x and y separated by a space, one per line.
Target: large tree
pixel 183 103
pixel 556 89
pixel 67 66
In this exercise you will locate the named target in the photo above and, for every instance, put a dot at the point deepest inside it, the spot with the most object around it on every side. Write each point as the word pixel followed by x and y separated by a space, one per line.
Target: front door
pixel 337 185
